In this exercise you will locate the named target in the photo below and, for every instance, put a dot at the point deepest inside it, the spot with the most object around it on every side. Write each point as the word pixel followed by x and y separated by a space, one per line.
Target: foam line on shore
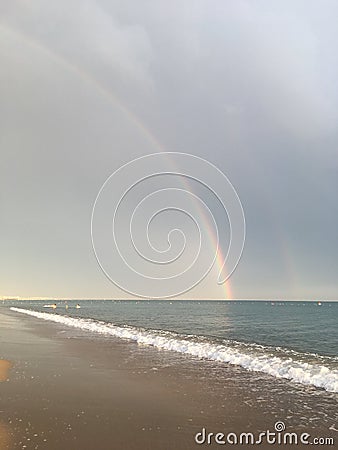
pixel 289 368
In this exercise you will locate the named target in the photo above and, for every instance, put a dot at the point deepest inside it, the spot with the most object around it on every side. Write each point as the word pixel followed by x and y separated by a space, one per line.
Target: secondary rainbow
pixel 112 98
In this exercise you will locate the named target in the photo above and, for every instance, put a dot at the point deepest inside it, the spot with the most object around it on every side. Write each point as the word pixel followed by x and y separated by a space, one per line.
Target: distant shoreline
pixel 60 299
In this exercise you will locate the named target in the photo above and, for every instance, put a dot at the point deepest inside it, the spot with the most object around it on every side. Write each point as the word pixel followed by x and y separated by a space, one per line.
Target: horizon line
pixel 269 299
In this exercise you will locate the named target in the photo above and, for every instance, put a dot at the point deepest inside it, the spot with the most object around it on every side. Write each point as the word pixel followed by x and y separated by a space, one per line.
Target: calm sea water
pixel 294 340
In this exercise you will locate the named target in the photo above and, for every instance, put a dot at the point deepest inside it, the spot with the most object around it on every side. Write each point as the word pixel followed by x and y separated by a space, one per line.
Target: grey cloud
pixel 83 33
pixel 249 85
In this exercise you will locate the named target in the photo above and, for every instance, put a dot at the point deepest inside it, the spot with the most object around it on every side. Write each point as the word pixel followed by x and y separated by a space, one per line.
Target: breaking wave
pixel 254 358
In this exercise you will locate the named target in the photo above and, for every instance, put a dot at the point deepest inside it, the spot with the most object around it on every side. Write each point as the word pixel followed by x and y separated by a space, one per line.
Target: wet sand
pixel 67 389
pixel 4 369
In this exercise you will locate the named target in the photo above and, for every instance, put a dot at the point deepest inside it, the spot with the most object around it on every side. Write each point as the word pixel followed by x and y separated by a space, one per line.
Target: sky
pixel 89 85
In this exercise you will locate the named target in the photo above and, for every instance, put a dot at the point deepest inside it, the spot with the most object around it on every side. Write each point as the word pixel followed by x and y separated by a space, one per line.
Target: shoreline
pixel 279 364
pixel 68 388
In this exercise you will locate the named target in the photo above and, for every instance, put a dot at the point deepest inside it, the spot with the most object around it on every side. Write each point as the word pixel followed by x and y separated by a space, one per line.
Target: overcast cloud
pixel 249 85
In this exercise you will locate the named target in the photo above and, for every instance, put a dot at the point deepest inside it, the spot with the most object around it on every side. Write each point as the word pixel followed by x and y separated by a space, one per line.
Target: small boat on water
pixel 53 306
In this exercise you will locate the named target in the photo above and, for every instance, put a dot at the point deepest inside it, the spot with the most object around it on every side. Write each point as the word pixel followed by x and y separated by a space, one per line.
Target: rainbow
pixel 112 98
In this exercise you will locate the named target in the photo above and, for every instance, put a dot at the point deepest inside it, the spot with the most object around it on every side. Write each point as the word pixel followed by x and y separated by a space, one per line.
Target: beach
pixel 168 198
pixel 68 389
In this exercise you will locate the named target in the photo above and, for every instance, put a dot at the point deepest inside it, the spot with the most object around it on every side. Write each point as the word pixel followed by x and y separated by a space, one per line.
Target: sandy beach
pixel 168 232
pixel 64 389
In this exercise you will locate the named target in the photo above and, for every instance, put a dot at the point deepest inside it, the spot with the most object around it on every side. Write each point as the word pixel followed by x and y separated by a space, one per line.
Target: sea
pixel 295 341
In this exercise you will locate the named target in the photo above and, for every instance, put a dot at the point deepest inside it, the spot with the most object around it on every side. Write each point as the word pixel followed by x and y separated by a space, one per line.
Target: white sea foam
pixel 290 368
